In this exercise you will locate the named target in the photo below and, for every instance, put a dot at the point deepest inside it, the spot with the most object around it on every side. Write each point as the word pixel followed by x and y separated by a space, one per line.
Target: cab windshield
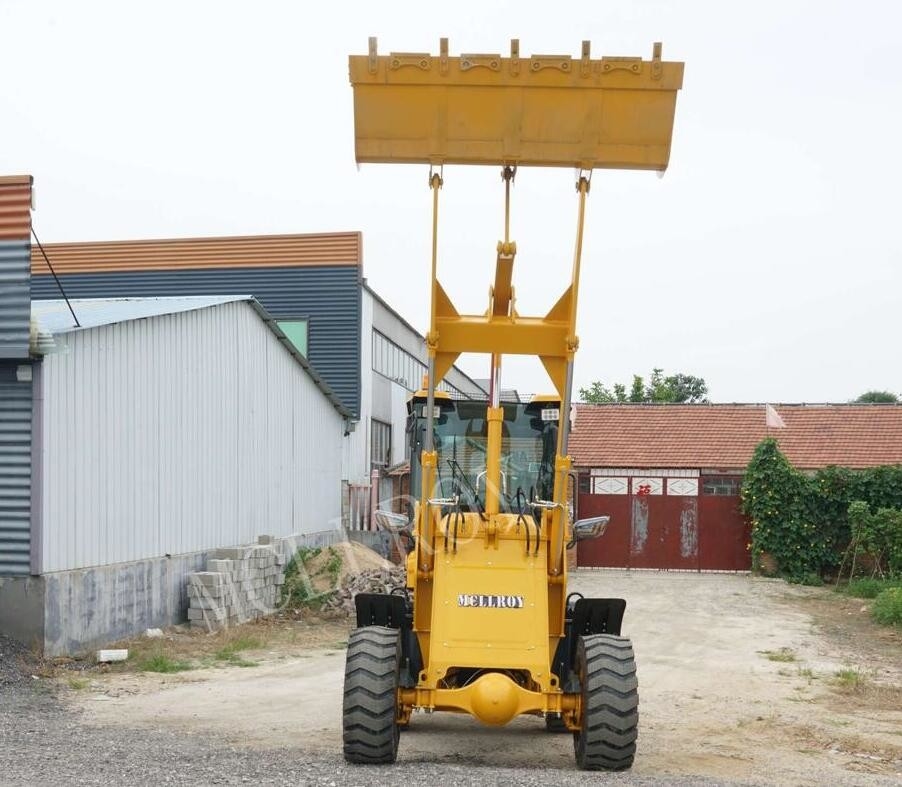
pixel 528 445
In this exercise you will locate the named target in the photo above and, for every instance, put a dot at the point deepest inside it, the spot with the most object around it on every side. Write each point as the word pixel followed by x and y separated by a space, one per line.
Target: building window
pixel 727 486
pixel 401 367
pixel 380 445
pixel 296 331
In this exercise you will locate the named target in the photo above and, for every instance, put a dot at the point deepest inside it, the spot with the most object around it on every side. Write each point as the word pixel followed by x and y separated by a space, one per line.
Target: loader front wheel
pixel 370 713
pixel 610 703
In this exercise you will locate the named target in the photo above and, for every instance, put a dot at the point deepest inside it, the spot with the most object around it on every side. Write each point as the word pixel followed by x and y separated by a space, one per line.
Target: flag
pixel 772 418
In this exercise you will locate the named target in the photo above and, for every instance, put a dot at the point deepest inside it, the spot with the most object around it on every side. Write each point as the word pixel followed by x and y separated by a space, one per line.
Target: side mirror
pixel 392 522
pixel 593 527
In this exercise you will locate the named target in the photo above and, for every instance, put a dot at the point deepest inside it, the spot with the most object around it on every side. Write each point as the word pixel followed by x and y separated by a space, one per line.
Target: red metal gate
pixel 665 531
pixel 724 539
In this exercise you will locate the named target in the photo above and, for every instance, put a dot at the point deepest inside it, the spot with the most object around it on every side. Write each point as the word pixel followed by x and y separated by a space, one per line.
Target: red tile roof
pixel 725 435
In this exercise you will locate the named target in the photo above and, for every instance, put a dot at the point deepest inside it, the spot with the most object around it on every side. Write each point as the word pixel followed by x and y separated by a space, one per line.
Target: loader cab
pixel 528 446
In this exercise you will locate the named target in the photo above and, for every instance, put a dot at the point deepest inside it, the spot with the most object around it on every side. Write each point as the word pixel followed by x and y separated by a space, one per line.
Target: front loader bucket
pixel 543 110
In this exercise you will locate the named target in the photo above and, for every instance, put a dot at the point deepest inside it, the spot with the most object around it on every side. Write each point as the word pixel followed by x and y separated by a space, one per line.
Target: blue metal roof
pixel 328 296
pixel 54 316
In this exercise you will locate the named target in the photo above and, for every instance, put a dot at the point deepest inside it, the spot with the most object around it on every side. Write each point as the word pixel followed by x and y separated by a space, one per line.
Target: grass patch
pixel 850 679
pixel 783 654
pixel 230 652
pixel 235 646
pixel 887 608
pixel 237 661
pixel 808 578
pixel 868 587
pixel 160 662
pixel 78 683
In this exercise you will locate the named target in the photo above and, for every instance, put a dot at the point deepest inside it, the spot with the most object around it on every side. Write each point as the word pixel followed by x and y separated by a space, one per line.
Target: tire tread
pixel 610 724
pixel 369 719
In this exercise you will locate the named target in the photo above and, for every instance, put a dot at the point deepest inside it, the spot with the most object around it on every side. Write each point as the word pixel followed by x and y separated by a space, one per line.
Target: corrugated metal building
pixel 309 283
pixel 15 255
pixel 313 286
pixel 163 428
pixel 15 375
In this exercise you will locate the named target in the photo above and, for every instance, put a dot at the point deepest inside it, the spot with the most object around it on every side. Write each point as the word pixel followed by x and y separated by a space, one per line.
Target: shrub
pixel 297 590
pixel 887 607
pixel 776 498
pixel 805 524
pixel 311 576
pixel 869 587
pixel 877 536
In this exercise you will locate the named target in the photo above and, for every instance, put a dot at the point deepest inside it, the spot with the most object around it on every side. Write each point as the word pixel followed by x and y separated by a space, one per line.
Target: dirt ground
pixel 737 678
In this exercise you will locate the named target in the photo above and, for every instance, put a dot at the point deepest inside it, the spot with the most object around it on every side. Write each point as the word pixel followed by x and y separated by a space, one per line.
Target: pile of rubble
pixel 371 580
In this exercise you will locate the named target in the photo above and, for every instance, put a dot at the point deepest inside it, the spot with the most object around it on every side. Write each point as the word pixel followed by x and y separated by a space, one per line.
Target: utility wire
pixel 56 278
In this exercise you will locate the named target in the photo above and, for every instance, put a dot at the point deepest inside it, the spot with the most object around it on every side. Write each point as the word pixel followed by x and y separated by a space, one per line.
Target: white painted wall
pixel 181 433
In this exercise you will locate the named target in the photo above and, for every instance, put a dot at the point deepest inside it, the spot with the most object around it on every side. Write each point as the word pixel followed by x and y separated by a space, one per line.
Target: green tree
pixel 878 397
pixel 675 388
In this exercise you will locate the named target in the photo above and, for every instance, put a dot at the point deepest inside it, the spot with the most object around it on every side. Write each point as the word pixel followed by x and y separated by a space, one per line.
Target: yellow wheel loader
pixel 485 624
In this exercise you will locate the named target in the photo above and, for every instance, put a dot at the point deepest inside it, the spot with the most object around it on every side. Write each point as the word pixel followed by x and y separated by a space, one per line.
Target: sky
pixel 767 260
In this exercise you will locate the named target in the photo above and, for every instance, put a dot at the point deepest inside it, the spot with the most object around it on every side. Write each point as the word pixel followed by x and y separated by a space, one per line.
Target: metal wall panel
pixel 395 328
pixel 15 298
pixel 251 251
pixel 15 469
pixel 328 296
pixel 15 207
pixel 181 433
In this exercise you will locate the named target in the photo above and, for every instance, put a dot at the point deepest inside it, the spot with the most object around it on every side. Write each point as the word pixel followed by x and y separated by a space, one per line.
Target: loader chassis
pixel 484 624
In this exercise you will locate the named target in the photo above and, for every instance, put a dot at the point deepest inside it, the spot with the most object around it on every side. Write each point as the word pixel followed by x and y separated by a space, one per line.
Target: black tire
pixel 610 703
pixel 555 724
pixel 370 714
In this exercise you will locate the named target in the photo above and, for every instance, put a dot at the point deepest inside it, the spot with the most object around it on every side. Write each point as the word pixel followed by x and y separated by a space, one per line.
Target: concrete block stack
pixel 240 584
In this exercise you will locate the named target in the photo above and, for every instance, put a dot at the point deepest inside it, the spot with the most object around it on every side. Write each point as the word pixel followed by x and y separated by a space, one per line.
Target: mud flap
pixel 586 616
pixel 393 611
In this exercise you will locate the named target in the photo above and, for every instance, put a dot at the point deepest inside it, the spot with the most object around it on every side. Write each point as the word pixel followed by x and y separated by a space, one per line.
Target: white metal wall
pixel 182 433
pixel 357 470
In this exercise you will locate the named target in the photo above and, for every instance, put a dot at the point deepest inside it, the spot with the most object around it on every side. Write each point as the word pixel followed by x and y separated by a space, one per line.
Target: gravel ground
pixel 43 742
pixel 14 658
pixel 713 704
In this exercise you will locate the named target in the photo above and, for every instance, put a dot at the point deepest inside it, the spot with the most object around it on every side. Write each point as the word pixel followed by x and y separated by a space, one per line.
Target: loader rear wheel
pixel 370 713
pixel 610 703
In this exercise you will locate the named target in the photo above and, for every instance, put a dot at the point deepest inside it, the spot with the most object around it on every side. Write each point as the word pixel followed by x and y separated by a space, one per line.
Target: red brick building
pixel 669 475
